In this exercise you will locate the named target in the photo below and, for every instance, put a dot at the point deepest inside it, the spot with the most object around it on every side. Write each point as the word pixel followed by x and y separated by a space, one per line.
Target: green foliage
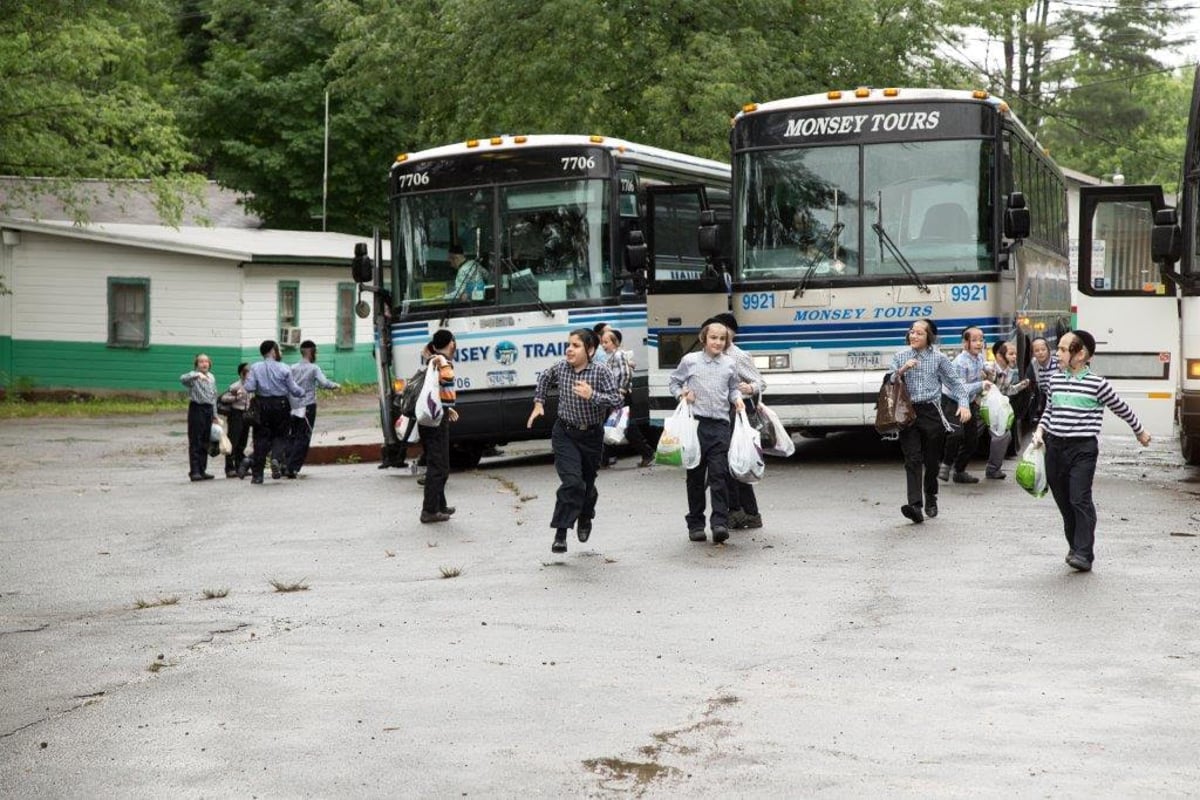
pixel 85 93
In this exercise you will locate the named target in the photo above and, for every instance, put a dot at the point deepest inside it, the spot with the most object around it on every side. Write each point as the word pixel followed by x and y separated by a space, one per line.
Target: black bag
pixel 252 415
pixel 893 409
pixel 412 390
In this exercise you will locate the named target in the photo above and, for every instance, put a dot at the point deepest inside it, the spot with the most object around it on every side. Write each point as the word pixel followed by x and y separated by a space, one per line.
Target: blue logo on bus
pixel 506 353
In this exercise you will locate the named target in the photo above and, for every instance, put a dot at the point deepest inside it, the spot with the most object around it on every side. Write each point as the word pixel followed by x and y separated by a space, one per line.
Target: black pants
pixel 712 473
pixel 576 459
pixel 960 445
pixel 199 427
pixel 300 436
pixel 922 444
pixel 435 440
pixel 270 434
pixel 1070 470
pixel 239 435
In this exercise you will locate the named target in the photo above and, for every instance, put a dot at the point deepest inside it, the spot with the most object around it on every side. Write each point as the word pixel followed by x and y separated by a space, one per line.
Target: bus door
pixel 1124 301
pixel 685 286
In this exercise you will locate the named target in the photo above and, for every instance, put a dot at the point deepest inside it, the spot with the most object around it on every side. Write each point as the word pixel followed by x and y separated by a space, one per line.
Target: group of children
pixel 1059 396
pixel 283 438
pixel 716 382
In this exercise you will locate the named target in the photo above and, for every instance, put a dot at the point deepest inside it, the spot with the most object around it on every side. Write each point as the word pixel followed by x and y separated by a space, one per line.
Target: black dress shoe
pixel 256 479
pixel 583 529
pixel 720 533
pixel 448 510
pixel 194 477
pixel 931 507
pixel 912 512
pixel 560 541
pixel 243 469
pixel 965 477
pixel 204 476
pixel 697 535
pixel 1079 562
pixel 436 516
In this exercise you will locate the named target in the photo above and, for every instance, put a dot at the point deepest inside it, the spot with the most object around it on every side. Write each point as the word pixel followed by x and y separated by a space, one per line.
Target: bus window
pixel 553 246
pixel 931 200
pixel 801 209
pixel 429 227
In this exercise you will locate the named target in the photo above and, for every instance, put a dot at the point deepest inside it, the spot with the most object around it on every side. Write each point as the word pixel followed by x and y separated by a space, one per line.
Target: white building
pixel 127 307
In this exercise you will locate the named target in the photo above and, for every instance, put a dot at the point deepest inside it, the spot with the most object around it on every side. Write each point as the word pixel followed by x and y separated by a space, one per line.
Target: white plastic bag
pixel 614 426
pixel 1031 470
pixel 414 435
pixel 429 401
pixel 997 412
pixel 745 451
pixel 784 446
pixel 679 445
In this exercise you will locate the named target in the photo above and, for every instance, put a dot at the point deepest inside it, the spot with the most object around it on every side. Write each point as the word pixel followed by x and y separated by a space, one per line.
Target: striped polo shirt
pixel 1076 406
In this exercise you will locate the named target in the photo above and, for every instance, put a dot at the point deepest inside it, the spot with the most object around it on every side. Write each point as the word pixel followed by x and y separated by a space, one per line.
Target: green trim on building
pixel 95 365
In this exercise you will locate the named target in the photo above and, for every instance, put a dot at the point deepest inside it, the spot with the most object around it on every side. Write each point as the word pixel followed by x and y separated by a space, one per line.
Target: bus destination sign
pixel 509 165
pixel 866 123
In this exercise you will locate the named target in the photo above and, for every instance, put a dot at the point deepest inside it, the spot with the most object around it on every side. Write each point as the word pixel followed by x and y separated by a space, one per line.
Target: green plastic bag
pixel 1031 470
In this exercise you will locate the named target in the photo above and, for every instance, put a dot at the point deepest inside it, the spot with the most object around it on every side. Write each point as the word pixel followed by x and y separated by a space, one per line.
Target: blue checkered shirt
pixel 713 380
pixel 572 409
pixel 925 380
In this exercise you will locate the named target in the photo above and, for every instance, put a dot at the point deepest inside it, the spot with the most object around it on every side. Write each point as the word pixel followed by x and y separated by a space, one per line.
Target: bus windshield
pixel 803 209
pixel 503 246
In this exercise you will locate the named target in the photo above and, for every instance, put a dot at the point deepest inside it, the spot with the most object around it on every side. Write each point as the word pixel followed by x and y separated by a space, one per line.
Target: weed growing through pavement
pixel 353 458
pixel 213 594
pixel 450 572
pixel 298 586
pixel 169 600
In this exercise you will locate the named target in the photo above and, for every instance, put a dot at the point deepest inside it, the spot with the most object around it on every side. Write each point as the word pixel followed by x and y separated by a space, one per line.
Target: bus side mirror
pixel 1016 217
pixel 1166 240
pixel 709 235
pixel 362 267
pixel 635 252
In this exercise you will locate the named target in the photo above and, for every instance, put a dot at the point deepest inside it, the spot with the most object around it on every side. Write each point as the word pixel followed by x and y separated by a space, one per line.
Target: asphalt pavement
pixel 148 647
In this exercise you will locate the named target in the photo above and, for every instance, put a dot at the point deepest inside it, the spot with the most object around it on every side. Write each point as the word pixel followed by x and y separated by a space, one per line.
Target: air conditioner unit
pixel 289 336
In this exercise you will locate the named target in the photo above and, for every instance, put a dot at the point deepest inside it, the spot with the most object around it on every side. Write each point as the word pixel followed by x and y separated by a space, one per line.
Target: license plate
pixel 862 360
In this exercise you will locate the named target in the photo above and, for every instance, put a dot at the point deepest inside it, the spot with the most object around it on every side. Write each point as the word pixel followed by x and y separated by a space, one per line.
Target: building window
pixel 346 294
pixel 289 314
pixel 129 312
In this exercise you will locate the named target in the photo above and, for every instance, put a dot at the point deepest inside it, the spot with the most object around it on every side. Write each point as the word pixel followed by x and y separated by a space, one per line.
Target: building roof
pixel 118 201
pixel 234 244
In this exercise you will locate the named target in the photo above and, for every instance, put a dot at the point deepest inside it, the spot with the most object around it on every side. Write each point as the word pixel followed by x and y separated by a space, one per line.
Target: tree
pixel 85 93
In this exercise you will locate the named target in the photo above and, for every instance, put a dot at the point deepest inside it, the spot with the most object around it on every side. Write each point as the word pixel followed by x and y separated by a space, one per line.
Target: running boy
pixel 1070 429
pixel 708 380
pixel 586 393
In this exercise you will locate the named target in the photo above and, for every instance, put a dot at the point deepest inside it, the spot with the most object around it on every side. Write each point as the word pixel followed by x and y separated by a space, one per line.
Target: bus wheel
pixel 465 456
pixel 1190 447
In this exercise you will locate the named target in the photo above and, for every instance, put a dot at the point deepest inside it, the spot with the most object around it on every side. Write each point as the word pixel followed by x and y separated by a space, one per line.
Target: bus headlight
pixel 774 361
pixel 1193 368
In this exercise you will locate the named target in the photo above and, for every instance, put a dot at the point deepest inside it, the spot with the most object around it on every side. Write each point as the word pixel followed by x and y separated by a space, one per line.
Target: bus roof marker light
pixel 749 108
pixel 401 158
pixel 472 143
pixel 1003 107
pixel 521 139
pixel 891 92
pixel 862 91
pixel 595 139
pixel 979 94
pixel 833 95
pixel 496 140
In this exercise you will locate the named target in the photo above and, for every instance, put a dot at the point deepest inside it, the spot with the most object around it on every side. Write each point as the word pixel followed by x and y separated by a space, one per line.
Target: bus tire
pixel 1189 446
pixel 465 456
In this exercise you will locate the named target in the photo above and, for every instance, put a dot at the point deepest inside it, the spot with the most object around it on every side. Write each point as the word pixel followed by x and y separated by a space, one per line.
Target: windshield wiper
pixel 895 251
pixel 526 278
pixel 830 238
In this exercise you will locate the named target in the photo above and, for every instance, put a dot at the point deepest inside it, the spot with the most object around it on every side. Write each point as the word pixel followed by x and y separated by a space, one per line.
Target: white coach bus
pixel 511 242
pixel 855 213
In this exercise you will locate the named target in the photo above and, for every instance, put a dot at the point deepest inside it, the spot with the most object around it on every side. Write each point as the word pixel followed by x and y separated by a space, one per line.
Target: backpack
pixel 412 390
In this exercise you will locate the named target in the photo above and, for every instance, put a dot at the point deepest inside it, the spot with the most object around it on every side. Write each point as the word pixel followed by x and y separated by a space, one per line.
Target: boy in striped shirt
pixel 1070 430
